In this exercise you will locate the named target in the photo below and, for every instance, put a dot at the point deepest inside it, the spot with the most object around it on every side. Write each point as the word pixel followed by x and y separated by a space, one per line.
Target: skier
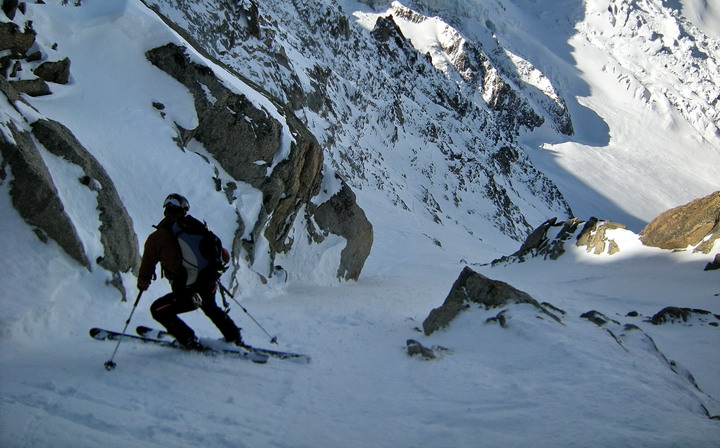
pixel 163 246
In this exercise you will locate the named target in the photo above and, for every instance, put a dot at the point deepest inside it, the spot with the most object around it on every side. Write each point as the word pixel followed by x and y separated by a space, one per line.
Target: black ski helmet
pixel 176 201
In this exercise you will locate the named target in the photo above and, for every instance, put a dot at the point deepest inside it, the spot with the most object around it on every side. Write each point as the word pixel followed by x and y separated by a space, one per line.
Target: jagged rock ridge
pixel 387 117
pixel 245 140
pixel 549 239
pixel 694 225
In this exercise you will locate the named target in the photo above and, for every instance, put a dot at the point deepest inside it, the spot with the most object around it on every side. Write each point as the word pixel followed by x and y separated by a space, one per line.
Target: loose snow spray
pixel 110 364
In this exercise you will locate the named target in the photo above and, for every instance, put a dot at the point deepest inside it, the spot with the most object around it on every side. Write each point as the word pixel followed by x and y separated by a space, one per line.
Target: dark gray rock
pixel 673 314
pixel 500 318
pixel 54 71
pixel 386 29
pixel 15 40
pixel 32 190
pixel 32 87
pixel 10 7
pixel 473 287
pixel 598 318
pixel 342 216
pixel 415 348
pixel 117 233
pixel 713 265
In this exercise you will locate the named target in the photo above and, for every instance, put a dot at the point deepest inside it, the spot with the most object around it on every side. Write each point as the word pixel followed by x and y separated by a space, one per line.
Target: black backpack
pixel 202 251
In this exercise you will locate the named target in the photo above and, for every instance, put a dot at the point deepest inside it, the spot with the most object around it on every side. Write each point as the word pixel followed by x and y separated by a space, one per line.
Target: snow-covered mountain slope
pixel 531 383
pixel 654 80
pixel 535 382
pixel 703 14
pixel 639 81
pixel 623 94
pixel 388 119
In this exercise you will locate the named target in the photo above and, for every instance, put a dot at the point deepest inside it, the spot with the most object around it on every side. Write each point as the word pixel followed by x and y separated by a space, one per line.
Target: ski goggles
pixel 176 200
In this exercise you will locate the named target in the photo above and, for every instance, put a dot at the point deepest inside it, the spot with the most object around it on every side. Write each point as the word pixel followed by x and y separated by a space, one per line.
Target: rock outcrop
pixel 473 287
pixel 249 142
pixel 117 234
pixel 342 216
pixel 548 240
pixel 696 224
pixel 16 59
pixel 683 315
pixel 36 198
pixel 33 191
pixel 22 144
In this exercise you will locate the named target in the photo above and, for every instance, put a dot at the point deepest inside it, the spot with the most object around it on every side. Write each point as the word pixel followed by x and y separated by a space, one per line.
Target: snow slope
pixel 641 83
pixel 535 383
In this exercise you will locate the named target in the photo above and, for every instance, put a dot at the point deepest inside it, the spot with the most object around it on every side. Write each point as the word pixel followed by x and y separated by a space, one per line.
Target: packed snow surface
pixel 536 382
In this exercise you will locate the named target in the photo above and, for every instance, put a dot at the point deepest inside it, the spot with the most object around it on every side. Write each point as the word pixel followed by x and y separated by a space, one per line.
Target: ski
pixel 101 334
pixel 162 335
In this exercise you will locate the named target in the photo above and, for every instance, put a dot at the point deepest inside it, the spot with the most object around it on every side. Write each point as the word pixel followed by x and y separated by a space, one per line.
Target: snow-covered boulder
pixel 684 315
pixel 473 287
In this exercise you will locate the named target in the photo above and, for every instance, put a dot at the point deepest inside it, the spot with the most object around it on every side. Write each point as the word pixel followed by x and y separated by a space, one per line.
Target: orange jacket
pixel 162 246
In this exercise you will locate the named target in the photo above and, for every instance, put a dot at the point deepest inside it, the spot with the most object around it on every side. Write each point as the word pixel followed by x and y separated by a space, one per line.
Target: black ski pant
pixel 166 309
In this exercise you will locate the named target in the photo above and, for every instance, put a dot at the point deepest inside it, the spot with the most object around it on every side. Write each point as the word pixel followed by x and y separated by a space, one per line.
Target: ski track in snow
pixel 361 388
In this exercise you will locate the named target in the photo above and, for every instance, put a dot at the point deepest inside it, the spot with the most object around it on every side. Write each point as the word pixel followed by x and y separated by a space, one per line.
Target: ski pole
pixel 110 365
pixel 224 290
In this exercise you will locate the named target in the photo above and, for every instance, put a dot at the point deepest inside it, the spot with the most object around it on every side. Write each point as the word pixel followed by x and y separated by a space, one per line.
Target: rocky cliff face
pixel 28 138
pixel 440 143
pixel 245 141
